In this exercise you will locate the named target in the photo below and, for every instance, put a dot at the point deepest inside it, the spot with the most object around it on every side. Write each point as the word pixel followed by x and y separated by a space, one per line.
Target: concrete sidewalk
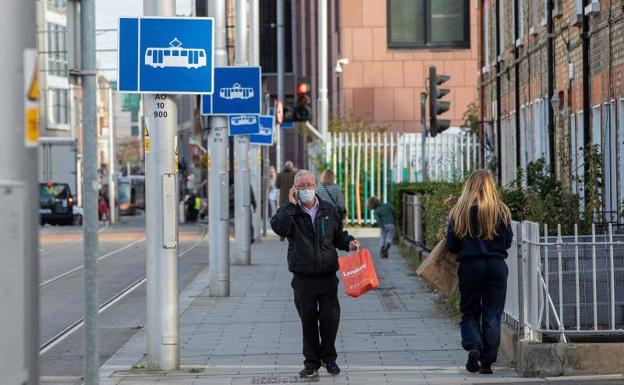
pixel 394 335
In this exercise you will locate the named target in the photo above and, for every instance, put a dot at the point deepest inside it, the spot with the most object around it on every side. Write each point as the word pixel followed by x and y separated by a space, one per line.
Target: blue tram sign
pixel 166 55
pixel 237 92
pixel 265 136
pixel 244 124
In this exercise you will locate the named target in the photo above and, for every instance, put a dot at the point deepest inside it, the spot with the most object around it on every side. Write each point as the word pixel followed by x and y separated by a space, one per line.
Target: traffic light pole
pixel 218 179
pixel 161 224
pixel 323 101
pixel 19 201
pixel 279 139
pixel 242 178
pixel 423 136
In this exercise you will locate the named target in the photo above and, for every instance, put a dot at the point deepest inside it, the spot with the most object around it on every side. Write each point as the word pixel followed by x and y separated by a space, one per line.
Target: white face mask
pixel 306 196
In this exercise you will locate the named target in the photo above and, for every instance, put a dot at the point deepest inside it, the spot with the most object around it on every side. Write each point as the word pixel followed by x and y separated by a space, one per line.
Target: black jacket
pixel 468 246
pixel 311 247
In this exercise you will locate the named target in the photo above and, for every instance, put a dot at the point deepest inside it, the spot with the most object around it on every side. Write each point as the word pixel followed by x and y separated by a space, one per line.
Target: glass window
pixel 184 52
pixel 149 52
pixel 201 53
pixel 168 52
pixel 268 35
pixel 428 23
pixel 58 103
pixel 175 53
pixel 57 49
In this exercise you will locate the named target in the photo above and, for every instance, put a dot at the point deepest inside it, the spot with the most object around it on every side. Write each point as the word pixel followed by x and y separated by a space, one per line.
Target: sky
pixel 107 12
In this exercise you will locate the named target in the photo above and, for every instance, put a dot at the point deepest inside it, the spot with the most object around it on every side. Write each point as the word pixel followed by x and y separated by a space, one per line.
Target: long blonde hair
pixel 479 190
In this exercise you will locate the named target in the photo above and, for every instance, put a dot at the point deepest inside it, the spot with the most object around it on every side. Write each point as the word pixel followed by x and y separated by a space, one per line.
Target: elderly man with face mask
pixel 314 232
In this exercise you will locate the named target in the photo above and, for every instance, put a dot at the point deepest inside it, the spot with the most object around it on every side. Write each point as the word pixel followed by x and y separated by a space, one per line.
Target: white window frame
pixel 596 126
pixel 573 153
pixel 610 165
pixel 620 159
pixel 580 140
pixel 501 34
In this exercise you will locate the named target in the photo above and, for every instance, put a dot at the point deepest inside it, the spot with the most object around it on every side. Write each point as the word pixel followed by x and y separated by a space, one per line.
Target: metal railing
pixel 412 228
pixel 565 285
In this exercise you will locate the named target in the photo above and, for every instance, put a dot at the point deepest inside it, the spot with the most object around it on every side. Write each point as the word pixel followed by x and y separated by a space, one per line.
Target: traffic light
pixel 437 106
pixel 303 99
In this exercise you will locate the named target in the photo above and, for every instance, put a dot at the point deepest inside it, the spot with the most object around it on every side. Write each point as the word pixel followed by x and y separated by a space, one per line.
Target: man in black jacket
pixel 314 231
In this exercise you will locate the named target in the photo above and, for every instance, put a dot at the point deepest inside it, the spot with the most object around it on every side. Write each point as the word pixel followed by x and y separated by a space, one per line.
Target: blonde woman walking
pixel 480 233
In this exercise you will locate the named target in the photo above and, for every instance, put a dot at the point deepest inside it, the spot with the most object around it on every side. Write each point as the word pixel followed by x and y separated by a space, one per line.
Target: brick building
pixel 553 106
pixel 389 45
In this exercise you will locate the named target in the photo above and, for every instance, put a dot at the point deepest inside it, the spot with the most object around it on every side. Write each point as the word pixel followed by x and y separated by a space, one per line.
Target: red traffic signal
pixel 303 88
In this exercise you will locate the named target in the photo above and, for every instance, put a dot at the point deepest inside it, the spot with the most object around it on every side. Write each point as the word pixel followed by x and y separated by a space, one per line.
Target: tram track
pixel 114 299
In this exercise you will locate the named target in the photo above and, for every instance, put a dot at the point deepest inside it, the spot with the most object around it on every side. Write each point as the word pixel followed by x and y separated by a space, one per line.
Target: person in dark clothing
pixel 480 233
pixel 284 182
pixel 314 231
pixel 252 201
pixel 386 219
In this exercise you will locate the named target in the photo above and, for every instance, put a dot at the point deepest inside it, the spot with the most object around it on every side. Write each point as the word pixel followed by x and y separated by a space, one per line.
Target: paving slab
pixel 397 334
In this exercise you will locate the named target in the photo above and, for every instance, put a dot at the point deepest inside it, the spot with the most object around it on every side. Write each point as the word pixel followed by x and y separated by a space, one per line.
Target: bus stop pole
pixel 242 205
pixel 161 220
pixel 19 199
pixel 218 178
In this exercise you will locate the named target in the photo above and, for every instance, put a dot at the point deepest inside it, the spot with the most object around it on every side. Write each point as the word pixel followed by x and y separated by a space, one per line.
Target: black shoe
pixel 308 372
pixel 332 368
pixel 485 369
pixel 472 365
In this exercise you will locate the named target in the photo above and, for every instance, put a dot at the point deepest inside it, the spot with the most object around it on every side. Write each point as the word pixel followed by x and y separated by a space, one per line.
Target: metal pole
pixel 90 191
pixel 218 179
pixel 112 167
pixel 323 101
pixel 242 209
pixel 279 145
pixel 256 152
pixel 161 206
pixel 423 136
pixel 19 200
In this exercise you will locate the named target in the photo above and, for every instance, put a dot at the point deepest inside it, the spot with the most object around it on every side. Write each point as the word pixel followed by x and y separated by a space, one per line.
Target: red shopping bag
pixel 358 273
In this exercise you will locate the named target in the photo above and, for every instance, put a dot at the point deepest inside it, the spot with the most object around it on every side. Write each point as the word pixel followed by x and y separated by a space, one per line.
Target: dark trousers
pixel 483 286
pixel 316 299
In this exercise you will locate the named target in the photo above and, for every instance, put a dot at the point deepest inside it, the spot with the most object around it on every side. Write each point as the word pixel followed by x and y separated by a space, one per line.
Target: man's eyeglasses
pixel 305 187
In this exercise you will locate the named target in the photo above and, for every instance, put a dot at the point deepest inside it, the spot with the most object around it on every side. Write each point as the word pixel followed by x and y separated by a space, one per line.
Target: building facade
pixel 557 97
pixel 390 46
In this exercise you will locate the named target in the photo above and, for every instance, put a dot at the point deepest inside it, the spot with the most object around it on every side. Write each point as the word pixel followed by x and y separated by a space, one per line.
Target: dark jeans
pixel 483 286
pixel 316 299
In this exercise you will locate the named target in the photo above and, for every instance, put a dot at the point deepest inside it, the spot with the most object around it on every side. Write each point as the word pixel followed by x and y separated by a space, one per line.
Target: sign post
pixel 161 57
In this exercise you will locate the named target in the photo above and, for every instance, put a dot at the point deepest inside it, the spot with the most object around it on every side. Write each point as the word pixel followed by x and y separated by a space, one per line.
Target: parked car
pixel 56 203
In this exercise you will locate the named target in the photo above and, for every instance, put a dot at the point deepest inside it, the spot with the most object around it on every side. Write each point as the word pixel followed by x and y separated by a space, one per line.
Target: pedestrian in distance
pixel 330 192
pixel 273 191
pixel 284 183
pixel 314 231
pixel 479 232
pixel 385 216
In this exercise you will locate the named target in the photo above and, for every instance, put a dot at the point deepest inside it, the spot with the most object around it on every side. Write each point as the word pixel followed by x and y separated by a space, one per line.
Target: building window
pixel 521 16
pixel 428 23
pixel 57 50
pixel 501 26
pixel 486 35
pixel 57 4
pixel 58 107
pixel 268 36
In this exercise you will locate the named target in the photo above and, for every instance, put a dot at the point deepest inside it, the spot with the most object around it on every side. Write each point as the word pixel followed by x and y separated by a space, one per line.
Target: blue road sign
pixel 244 124
pixel 288 124
pixel 265 136
pixel 237 91
pixel 166 55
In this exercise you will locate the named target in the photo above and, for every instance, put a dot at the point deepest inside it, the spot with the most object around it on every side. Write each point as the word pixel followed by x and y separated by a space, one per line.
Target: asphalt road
pixel 121 263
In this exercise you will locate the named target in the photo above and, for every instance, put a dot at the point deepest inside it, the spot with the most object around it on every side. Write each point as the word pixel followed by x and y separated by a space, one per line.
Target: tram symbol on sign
pixel 243 120
pixel 175 56
pixel 236 92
